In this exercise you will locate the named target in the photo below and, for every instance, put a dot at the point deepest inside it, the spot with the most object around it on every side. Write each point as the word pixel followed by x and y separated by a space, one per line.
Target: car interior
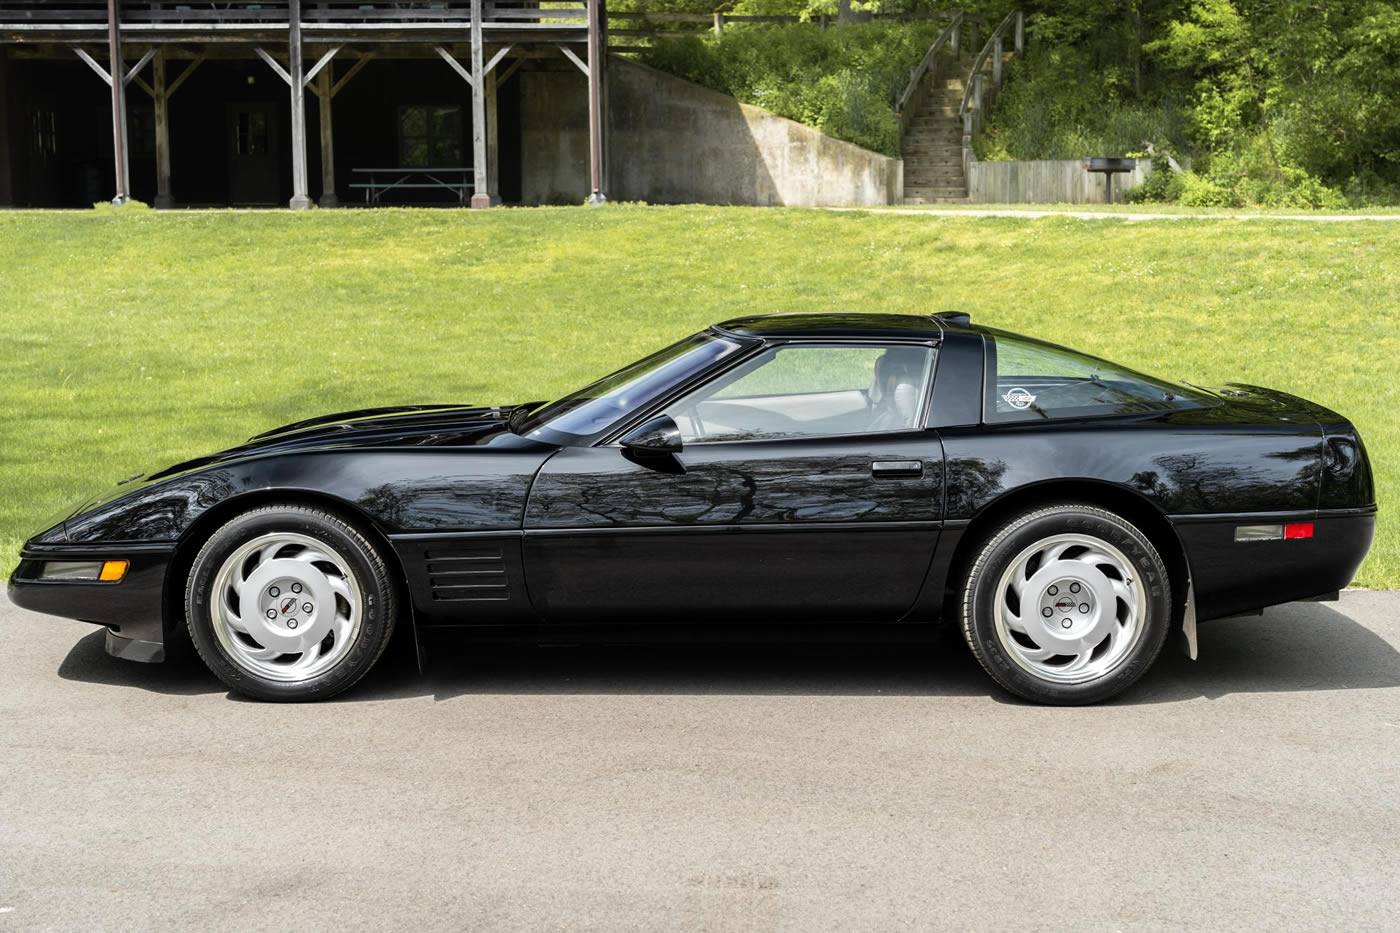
pixel 831 391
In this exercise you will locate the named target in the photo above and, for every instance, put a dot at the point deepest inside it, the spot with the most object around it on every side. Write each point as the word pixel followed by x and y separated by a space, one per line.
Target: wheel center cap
pixel 1064 604
pixel 289 604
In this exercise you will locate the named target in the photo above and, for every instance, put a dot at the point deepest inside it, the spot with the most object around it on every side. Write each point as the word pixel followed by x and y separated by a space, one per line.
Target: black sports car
pixel 1065 512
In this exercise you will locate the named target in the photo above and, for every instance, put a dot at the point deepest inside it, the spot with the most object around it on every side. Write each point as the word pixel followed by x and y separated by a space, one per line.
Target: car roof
pixel 841 324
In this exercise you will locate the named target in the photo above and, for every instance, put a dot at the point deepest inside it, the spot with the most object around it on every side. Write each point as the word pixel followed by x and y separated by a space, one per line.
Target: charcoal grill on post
pixel 1109 167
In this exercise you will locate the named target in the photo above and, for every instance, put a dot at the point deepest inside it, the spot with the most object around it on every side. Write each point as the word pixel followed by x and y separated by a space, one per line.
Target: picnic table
pixel 381 181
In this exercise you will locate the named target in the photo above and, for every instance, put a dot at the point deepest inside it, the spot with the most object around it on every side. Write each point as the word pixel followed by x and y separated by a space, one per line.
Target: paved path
pixel 1110 215
pixel 858 788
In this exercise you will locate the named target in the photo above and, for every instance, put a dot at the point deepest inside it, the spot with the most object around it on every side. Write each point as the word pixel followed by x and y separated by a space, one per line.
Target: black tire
pixel 998 553
pixel 376 590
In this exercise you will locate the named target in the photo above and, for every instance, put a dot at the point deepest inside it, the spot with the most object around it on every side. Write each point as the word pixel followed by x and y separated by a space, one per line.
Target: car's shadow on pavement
pixel 1296 648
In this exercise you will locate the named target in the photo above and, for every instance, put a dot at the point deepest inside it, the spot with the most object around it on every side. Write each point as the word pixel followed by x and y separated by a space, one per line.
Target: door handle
pixel 896 468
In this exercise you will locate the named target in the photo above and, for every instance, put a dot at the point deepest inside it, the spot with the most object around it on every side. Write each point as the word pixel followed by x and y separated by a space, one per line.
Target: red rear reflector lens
pixel 1298 530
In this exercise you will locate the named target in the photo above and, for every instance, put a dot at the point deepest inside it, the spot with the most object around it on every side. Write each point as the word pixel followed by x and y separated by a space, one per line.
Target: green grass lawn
pixel 1152 208
pixel 133 339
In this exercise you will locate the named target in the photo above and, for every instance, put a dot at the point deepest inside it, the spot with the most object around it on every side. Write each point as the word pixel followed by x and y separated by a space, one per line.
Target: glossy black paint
pixel 836 326
pixel 660 435
pixel 132 608
pixel 747 526
pixel 1233 577
pixel 489 527
pixel 456 471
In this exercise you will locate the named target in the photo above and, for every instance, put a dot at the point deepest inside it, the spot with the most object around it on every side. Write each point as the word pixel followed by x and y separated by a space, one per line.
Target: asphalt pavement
pixel 841 787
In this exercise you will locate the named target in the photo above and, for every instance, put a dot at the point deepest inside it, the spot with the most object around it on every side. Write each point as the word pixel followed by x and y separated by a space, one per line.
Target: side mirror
pixel 660 435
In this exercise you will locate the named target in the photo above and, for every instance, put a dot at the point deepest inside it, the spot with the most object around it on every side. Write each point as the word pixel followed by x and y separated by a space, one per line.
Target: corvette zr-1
pixel 1065 513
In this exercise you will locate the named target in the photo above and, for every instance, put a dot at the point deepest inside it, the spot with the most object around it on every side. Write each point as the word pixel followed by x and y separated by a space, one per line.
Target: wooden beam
pixel 120 151
pixel 493 155
pixel 161 95
pixel 141 83
pixel 325 93
pixel 574 58
pixel 510 70
pixel 496 59
pixel 364 60
pixel 92 63
pixel 7 191
pixel 300 200
pixel 136 69
pixel 322 62
pixel 273 64
pixel 189 70
pixel 456 65
pixel 481 195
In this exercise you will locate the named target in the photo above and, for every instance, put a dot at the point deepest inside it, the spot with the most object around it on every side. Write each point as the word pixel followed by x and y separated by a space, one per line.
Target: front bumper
pixel 132 609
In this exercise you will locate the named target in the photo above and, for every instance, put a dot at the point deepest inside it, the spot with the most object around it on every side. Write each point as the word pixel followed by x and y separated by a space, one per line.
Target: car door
pixel 796 496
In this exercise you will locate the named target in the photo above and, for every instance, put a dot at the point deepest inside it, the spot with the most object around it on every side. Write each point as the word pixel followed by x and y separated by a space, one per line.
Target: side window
pixel 1029 380
pixel 810 391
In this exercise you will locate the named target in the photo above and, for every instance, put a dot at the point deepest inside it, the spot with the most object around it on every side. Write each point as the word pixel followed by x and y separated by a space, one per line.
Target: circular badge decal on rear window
pixel 1019 398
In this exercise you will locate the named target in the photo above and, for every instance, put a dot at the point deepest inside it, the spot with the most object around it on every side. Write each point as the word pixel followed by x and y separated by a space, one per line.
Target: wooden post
pixel 977 101
pixel 325 93
pixel 953 39
pixel 295 72
pixel 719 24
pixel 996 62
pixel 481 194
pixel 161 99
pixel 116 71
pixel 595 107
pixel 1020 33
pixel 7 191
pixel 493 155
pixel 973 28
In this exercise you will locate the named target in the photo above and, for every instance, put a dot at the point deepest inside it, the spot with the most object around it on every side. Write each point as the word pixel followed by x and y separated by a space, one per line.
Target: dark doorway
pixel 253 154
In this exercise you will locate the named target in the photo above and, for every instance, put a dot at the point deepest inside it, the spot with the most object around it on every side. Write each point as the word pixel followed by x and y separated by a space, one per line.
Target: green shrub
pixel 1162 185
pixel 1256 170
pixel 1052 107
pixel 1200 191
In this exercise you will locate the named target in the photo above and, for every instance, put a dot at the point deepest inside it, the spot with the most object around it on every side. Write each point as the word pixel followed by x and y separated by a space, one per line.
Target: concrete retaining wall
pixel 553 136
pixel 670 141
pixel 674 141
pixel 1047 182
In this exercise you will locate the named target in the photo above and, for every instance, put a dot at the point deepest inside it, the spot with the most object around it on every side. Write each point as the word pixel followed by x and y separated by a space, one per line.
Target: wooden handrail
pixel 970 111
pixel 974 73
pixel 917 75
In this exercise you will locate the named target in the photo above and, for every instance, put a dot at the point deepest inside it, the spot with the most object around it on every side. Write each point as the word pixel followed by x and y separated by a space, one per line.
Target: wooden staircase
pixel 930 128
pixel 932 145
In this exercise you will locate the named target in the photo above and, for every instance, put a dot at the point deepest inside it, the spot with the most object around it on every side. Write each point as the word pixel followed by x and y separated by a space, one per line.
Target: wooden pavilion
pixel 190 102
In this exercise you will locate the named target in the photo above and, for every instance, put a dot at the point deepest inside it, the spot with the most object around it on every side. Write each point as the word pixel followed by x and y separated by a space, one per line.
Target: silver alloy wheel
pixel 285 607
pixel 1069 608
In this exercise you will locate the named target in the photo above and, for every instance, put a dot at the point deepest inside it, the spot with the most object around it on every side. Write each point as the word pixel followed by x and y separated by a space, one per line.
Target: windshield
pixel 594 409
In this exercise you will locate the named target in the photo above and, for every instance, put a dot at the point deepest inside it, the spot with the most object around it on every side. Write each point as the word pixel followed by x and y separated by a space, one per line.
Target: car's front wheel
pixel 1066 604
pixel 289 603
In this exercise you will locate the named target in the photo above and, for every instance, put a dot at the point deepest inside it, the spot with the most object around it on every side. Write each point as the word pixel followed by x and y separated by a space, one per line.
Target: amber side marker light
pixel 1274 532
pixel 106 571
pixel 114 570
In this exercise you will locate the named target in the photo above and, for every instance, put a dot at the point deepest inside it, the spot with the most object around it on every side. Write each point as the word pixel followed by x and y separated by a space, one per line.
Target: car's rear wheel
pixel 289 603
pixel 1067 604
